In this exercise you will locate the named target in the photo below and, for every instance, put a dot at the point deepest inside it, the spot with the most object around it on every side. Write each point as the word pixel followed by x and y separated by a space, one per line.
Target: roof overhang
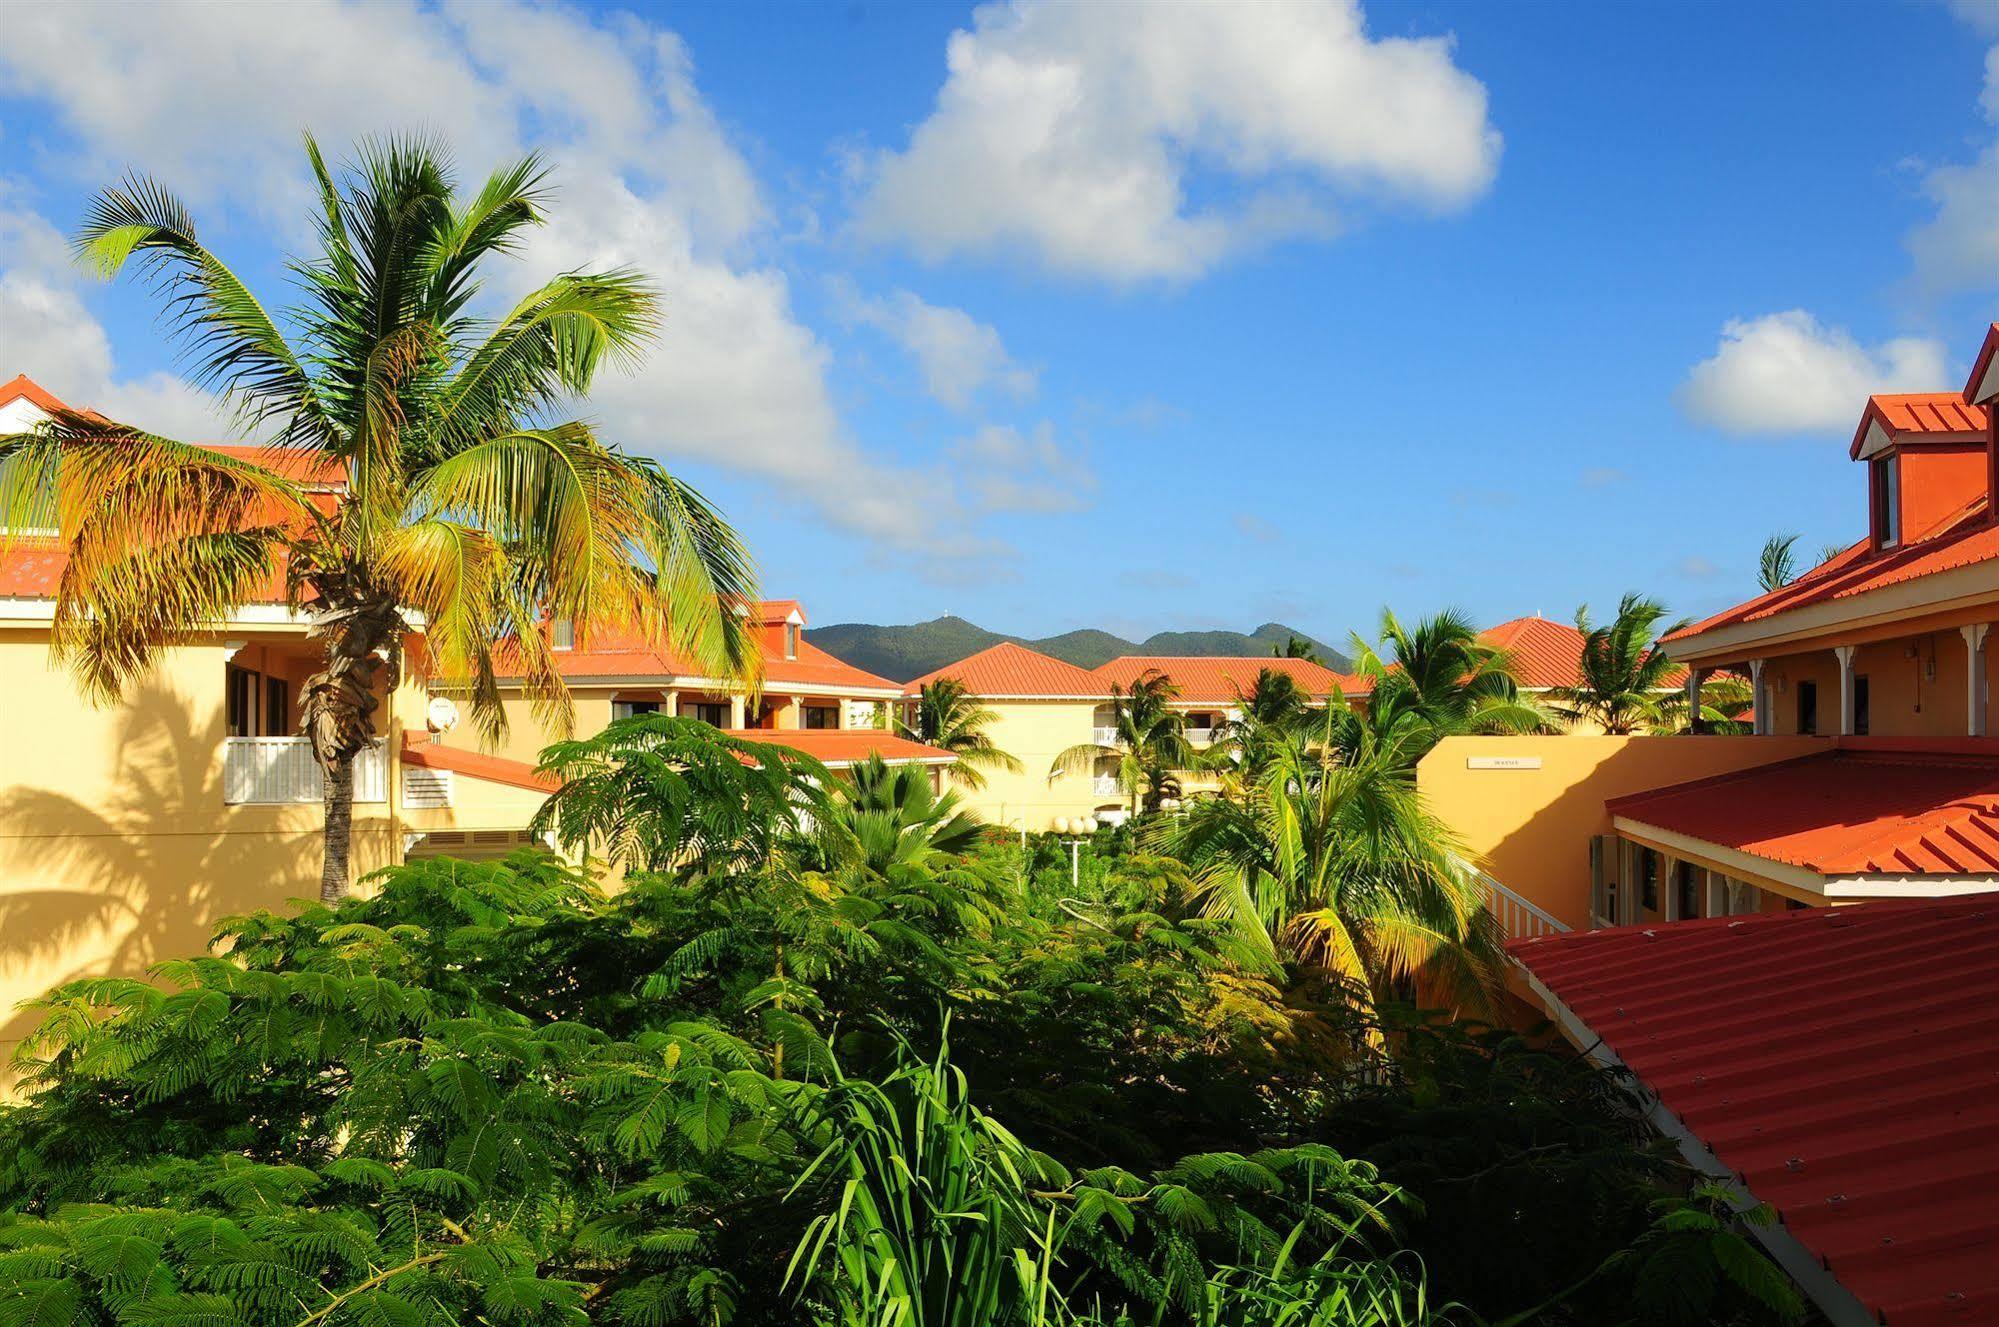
pixel 1801 882
pixel 1983 384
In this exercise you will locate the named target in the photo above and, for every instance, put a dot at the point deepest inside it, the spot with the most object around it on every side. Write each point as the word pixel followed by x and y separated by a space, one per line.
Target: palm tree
pixel 1333 863
pixel 898 821
pixel 1296 647
pixel 1148 742
pixel 949 717
pixel 1625 681
pixel 1777 566
pixel 470 502
pixel 1435 681
pixel 1274 707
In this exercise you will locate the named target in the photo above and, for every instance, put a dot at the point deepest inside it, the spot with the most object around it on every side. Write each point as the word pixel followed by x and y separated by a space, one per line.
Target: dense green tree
pixel 1433 681
pixel 1148 743
pixel 470 499
pixel 948 716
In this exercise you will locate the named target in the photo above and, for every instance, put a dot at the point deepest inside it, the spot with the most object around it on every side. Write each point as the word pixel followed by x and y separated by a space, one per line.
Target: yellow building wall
pixel 1530 827
pixel 116 848
pixel 1034 732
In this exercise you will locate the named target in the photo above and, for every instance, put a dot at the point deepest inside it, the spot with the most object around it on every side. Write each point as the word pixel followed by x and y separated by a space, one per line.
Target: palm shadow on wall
pixel 143 876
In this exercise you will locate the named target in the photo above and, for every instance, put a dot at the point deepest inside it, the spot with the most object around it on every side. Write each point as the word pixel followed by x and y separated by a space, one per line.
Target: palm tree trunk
pixel 335 870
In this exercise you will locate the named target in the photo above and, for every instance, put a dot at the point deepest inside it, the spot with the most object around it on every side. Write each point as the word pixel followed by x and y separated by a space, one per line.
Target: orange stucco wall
pixel 1915 685
pixel 1531 827
pixel 1937 482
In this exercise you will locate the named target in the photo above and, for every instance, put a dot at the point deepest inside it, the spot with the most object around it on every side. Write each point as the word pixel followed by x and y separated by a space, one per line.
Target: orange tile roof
pixel 1222 679
pixel 616 654
pixel 1839 1063
pixel 420 749
pixel 1007 670
pixel 1963 539
pixel 1544 653
pixel 1847 812
pixel 22 386
pixel 836 747
pixel 1903 415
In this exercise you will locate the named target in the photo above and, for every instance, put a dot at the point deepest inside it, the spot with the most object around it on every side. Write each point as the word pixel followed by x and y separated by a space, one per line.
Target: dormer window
pixel 1887 494
pixel 562 634
pixel 791 640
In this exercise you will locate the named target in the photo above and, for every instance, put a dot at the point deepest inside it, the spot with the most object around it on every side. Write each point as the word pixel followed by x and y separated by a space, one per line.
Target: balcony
pixel 1103 736
pixel 281 771
pixel 1200 736
pixel 1106 785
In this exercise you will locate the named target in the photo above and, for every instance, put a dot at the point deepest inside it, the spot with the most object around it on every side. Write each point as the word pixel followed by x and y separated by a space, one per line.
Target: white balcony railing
pixel 281 771
pixel 1518 918
pixel 1200 734
pixel 1103 736
pixel 1106 785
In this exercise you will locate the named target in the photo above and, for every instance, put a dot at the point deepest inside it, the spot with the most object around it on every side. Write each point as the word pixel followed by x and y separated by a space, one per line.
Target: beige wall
pixel 1531 827
pixel 1915 685
pixel 1034 732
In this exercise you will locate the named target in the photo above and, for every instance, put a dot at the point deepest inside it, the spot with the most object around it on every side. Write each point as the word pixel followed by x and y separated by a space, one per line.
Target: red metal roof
pixel 1912 416
pixel 1221 679
pixel 420 749
pixel 1545 654
pixel 606 653
pixel 1010 670
pixel 1843 1062
pixel 1846 812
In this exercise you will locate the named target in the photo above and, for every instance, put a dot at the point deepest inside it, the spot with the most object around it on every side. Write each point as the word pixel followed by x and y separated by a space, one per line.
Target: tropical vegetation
pixel 1146 746
pixel 1437 680
pixel 1626 683
pixel 471 498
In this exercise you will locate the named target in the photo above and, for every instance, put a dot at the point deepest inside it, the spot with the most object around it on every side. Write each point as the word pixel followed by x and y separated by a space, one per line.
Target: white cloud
pixel 1072 131
pixel 960 356
pixel 47 333
pixel 1251 526
pixel 1957 249
pixel 211 100
pixel 1786 373
pixel 1007 470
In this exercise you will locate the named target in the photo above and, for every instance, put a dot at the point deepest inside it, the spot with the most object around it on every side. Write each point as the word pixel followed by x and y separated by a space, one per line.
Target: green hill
pixel 903 652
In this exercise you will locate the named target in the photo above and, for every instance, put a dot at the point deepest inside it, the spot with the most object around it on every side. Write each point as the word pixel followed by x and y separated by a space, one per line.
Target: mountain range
pixel 903 652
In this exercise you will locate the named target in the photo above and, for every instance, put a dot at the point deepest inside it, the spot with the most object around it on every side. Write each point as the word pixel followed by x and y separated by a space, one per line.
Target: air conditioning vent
pixel 426 788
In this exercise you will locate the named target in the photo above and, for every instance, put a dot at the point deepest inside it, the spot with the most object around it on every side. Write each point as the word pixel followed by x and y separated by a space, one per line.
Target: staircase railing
pixel 1518 917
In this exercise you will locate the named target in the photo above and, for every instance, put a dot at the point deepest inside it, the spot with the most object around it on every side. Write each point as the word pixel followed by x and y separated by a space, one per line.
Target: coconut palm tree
pixel 1335 865
pixel 949 717
pixel 471 502
pixel 1274 707
pixel 1777 566
pixel 1296 647
pixel 1148 742
pixel 1433 681
pixel 1626 684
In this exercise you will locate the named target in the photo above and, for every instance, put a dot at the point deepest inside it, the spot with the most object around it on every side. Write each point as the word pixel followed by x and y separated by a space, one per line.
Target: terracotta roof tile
pixel 1548 654
pixel 1847 812
pixel 1007 670
pixel 1839 1061
pixel 616 654
pixel 1220 680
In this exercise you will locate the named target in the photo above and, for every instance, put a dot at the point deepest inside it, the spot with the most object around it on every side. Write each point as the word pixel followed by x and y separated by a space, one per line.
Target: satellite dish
pixel 441 714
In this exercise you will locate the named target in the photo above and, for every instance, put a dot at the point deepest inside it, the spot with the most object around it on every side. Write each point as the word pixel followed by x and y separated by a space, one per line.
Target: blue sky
pixel 1171 317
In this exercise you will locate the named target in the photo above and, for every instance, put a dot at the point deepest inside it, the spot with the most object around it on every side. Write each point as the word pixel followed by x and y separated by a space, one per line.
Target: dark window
pixel 709 713
pixel 1887 494
pixel 1808 707
pixel 625 709
pixel 277 707
pixel 1686 884
pixel 1860 706
pixel 242 695
pixel 1648 880
pixel 822 716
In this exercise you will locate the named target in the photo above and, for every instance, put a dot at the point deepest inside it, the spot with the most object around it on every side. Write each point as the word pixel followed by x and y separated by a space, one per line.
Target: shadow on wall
pixel 144 875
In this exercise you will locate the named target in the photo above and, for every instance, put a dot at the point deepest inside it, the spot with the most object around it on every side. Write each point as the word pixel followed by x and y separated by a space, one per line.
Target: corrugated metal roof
pixel 1843 1062
pixel 1912 416
pixel 1220 679
pixel 1843 813
pixel 1007 669
pixel 606 653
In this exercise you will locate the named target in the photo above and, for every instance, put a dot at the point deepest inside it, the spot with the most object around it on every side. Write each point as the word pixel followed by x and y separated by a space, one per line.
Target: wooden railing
pixel 281 771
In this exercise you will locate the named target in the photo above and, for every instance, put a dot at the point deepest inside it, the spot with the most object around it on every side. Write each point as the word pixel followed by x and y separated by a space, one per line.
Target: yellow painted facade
pixel 1034 732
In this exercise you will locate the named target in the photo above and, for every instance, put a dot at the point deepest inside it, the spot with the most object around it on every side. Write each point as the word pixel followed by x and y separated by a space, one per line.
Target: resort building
pixel 127 829
pixel 1043 706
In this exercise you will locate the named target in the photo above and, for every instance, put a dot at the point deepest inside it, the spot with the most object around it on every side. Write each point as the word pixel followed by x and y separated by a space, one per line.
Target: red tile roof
pixel 1962 540
pixel 847 746
pixel 616 654
pixel 1545 654
pixel 1915 415
pixel 419 749
pixel 1220 680
pixel 1841 1062
pixel 1846 812
pixel 22 386
pixel 1007 670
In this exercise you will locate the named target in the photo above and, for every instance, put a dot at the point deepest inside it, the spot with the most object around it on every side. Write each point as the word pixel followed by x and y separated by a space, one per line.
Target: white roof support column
pixel 1974 677
pixel 1759 700
pixel 1845 653
pixel 1694 679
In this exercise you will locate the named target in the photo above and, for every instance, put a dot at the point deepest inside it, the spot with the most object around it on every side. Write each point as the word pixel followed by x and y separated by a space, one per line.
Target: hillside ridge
pixel 913 649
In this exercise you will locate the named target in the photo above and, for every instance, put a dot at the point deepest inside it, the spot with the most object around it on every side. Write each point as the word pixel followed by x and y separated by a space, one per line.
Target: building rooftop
pixel 1007 671
pixel 1839 1062
pixel 1879 811
pixel 1222 679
